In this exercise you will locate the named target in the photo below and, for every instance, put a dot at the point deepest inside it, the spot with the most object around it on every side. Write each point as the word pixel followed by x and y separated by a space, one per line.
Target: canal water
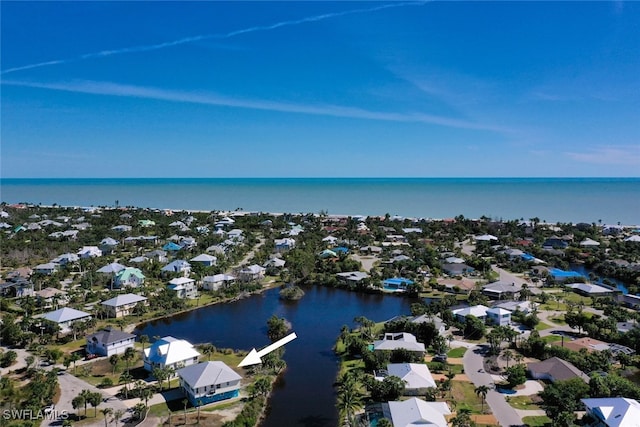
pixel 305 396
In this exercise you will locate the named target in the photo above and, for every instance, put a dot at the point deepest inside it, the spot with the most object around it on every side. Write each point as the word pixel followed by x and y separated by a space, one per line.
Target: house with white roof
pixel 352 277
pixel 440 326
pixel 109 341
pixel 209 382
pixel 274 263
pixel 65 259
pixel 184 287
pixel 498 316
pixel 252 272
pixel 123 305
pixel 205 259
pixel 284 245
pixel 478 311
pixel 397 340
pixel 89 252
pixel 589 243
pixel 613 411
pixel 129 276
pixel 416 412
pixel 416 376
pixel 217 281
pixel 170 352
pixel 64 317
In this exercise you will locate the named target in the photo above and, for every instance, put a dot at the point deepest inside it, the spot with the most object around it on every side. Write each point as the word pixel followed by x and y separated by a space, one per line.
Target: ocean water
pixel 609 200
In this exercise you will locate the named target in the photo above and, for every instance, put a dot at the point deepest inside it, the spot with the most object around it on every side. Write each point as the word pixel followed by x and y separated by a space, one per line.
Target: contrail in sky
pixel 147 48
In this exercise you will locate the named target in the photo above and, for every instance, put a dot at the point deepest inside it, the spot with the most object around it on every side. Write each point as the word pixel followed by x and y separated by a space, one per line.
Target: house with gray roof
pixel 109 341
pixel 501 290
pixel 184 287
pixel 555 369
pixel 209 382
pixel 205 259
pixel 397 340
pixel 64 317
pixel 123 305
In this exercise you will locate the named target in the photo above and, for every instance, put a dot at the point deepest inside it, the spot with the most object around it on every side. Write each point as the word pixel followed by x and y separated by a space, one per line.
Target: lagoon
pixel 304 396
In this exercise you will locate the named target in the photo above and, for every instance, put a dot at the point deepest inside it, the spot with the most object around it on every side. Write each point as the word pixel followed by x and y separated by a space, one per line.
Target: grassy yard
pixel 537 421
pixel 541 326
pixel 522 402
pixel 559 320
pixel 552 338
pixel 457 352
pixel 464 393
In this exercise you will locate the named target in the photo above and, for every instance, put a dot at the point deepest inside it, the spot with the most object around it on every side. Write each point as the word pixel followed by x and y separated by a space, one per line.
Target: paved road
pixel 474 368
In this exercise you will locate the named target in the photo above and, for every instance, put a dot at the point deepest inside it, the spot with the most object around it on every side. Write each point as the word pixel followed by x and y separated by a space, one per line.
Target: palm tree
pixel 462 418
pixel 185 402
pixel 128 355
pixel 144 339
pixel 350 399
pixel 113 360
pixel 507 355
pixel 482 391
pixel 125 378
pixel 118 415
pixel 106 412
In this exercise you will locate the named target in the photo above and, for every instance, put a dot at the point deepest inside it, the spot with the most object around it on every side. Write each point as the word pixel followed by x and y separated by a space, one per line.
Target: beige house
pixel 123 305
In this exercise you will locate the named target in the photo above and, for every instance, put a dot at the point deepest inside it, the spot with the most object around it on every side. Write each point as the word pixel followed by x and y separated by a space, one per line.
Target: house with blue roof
pixel 397 284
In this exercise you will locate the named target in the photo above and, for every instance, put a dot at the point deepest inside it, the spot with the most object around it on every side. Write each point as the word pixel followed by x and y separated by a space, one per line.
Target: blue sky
pixel 320 89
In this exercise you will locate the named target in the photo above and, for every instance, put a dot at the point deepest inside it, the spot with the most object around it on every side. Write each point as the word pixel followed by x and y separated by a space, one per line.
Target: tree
pixel 473 328
pixel 94 399
pixel 207 349
pixel 125 378
pixel 117 416
pixel 113 360
pixel 77 402
pixel 86 395
pixel 350 399
pixel 128 355
pixel 481 391
pixel 516 375
pixel 160 374
pixel 144 339
pixel 106 412
pixel 277 328
pixel 185 402
pixel 384 422
pixel 462 418
pixel 563 397
pixel 74 358
pixel 507 355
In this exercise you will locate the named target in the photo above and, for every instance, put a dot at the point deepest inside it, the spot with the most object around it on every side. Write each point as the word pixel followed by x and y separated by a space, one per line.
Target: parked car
pixel 440 358
pixel 91 356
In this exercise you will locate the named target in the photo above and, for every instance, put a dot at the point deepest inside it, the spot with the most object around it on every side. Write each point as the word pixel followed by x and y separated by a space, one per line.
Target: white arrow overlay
pixel 253 358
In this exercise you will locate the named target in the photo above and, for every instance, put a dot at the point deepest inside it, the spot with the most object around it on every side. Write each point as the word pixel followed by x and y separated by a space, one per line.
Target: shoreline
pixel 241 212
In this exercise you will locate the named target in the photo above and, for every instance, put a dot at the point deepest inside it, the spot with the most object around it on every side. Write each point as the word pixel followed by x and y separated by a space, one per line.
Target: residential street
pixel 474 368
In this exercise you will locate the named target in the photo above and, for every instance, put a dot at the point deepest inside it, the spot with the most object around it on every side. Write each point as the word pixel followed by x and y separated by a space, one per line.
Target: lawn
pixel 558 319
pixel 552 338
pixel 522 402
pixel 537 421
pixel 541 326
pixel 464 393
pixel 457 352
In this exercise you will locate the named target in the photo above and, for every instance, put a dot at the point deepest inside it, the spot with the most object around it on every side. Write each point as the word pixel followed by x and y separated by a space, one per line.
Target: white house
pixel 209 382
pixel 416 376
pixel 109 341
pixel 274 263
pixel 416 412
pixel 397 340
pixel 613 411
pixel 498 316
pixel 253 272
pixel 123 305
pixel 170 352
pixel 284 245
pixel 65 259
pixel 205 259
pixel 184 287
pixel 215 282
pixel 64 317
pixel 89 252
pixel 479 311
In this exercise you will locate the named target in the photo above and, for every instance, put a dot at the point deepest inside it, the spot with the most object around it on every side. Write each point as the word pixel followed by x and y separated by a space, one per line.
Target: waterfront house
pixel 129 276
pixel 170 352
pixel 591 290
pixel 109 341
pixel 397 284
pixel 184 287
pixel 178 266
pixel 416 376
pixel 64 317
pixel 209 382
pixel 123 305
pixel 612 411
pixel 252 272
pixel 555 369
pixel 205 259
pixel 351 278
pixel 435 320
pixel 397 340
pixel 274 263
pixel 217 281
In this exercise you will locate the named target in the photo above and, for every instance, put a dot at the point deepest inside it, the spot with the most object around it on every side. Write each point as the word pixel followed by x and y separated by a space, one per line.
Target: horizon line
pixel 320 177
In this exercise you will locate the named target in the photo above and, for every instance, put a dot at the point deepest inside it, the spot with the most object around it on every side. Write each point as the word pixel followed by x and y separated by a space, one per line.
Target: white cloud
pixel 614 155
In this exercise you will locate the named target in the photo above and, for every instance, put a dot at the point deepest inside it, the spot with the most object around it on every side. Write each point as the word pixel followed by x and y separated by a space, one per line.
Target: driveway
pixel 474 368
